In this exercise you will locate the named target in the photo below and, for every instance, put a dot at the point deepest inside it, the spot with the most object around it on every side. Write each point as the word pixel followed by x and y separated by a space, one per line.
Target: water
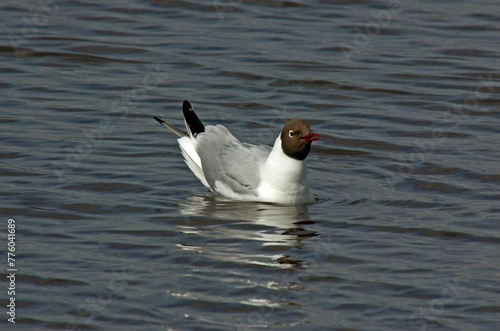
pixel 114 232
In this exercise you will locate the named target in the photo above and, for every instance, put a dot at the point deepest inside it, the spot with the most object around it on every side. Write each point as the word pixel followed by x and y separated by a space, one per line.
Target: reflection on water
pixel 271 224
pixel 278 216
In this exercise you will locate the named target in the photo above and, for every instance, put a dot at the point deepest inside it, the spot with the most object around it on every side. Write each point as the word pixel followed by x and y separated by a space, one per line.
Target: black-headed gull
pixel 248 172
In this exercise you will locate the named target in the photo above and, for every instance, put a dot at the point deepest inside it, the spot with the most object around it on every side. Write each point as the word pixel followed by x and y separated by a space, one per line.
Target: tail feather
pixel 187 141
pixel 192 158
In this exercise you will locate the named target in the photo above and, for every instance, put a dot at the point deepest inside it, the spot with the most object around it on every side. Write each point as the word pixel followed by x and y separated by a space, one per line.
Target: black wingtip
pixel 172 128
pixel 193 122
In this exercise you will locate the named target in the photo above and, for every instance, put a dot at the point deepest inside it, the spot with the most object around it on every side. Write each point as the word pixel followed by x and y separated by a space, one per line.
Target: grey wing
pixel 241 169
pixel 225 160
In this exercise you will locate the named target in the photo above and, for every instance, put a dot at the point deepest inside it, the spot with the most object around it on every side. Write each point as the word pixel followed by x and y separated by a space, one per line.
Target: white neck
pixel 285 177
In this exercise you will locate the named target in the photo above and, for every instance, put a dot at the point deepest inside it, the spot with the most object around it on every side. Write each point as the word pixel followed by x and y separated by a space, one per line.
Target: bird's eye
pixel 290 133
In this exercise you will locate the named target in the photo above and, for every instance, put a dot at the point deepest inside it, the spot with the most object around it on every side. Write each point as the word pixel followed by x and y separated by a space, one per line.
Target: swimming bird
pixel 243 171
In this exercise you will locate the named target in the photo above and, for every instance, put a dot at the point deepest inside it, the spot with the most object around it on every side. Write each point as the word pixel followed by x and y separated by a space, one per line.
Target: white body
pixel 245 172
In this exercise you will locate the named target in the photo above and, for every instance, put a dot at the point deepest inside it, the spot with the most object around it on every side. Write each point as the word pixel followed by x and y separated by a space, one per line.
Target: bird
pixel 246 172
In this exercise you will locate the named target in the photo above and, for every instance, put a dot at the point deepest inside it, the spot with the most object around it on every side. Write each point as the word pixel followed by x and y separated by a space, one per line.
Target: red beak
pixel 312 137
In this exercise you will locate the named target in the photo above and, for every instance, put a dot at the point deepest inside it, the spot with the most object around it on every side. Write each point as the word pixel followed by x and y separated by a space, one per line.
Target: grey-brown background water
pixel 114 232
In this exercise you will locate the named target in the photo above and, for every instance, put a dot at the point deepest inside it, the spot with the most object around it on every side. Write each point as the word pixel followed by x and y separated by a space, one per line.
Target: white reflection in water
pixel 269 224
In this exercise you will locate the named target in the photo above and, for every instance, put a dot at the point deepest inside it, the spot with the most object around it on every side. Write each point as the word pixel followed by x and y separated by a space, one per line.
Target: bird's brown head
pixel 296 138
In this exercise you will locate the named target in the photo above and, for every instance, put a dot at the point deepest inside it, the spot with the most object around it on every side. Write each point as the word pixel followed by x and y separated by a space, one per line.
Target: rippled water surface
pixel 114 232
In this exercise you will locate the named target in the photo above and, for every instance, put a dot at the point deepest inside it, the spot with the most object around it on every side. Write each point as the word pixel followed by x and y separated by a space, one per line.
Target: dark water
pixel 114 232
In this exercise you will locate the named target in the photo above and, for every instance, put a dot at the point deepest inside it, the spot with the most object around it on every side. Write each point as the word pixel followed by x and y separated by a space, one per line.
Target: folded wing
pixel 228 165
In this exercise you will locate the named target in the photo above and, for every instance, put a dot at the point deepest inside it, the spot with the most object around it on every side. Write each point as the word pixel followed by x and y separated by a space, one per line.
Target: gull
pixel 246 172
